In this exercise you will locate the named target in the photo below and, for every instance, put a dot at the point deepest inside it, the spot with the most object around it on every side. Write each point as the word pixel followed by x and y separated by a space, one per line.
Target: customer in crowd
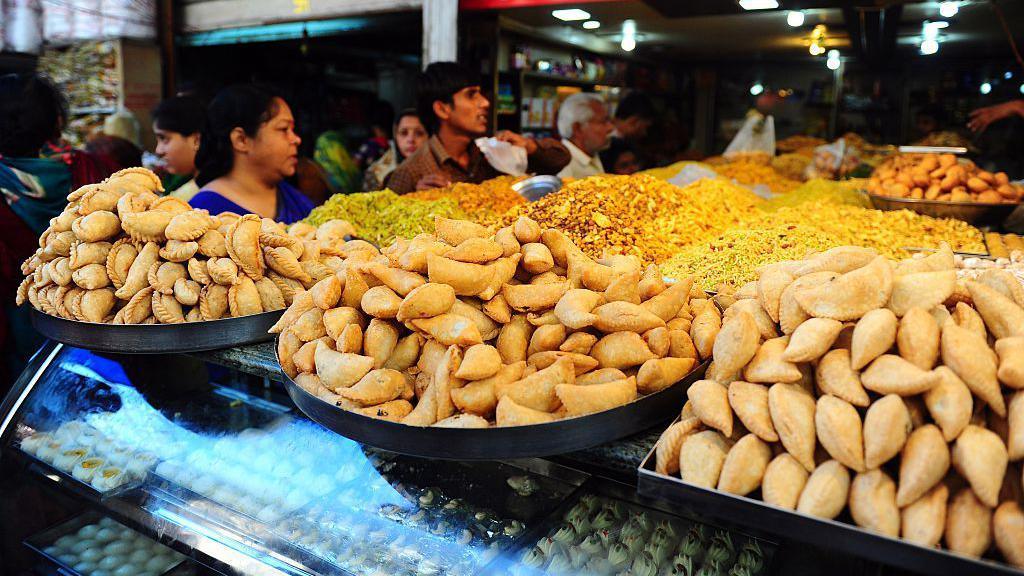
pixel 249 146
pixel 586 130
pixel 382 115
pixel 177 124
pixel 113 152
pixel 982 117
pixel 633 117
pixel 456 111
pixel 37 172
pixel 410 135
pixel 331 154
pixel 622 158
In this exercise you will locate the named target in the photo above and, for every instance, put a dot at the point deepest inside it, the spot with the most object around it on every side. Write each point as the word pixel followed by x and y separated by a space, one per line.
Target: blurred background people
pixel 456 112
pixel 586 130
pixel 331 154
pixel 382 115
pixel 621 158
pixel 409 135
pixel 248 148
pixel 177 123
pixel 633 118
pixel 113 152
pixel 982 117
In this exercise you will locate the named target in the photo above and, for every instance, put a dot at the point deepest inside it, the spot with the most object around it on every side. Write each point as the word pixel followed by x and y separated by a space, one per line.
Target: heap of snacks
pixel 791 165
pixel 943 178
pixel 752 174
pixel 890 389
pixel 639 215
pixel 944 139
pixel 734 257
pixel 470 329
pixel 821 191
pixel 119 253
pixel 484 203
pixel 667 172
pixel 759 158
pixel 1001 245
pixel 971 268
pixel 796 142
pixel 381 216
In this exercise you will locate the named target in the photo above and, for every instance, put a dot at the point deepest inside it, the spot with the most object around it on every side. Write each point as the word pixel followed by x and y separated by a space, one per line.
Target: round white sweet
pixel 157 563
pixel 68 558
pixel 107 522
pixel 84 567
pixel 111 562
pixel 82 546
pixel 107 534
pixel 127 570
pixel 118 547
pixel 88 531
pixel 65 542
pixel 91 555
pixel 140 556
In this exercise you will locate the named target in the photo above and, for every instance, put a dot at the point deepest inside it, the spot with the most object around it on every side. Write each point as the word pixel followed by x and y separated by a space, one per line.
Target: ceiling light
pixel 628 35
pixel 758 88
pixel 759 4
pixel 986 88
pixel 929 47
pixel 1022 88
pixel 571 14
pixel 948 9
pixel 1007 75
pixel 816 49
pixel 832 63
pixel 795 18
pixel 591 24
pixel 833 54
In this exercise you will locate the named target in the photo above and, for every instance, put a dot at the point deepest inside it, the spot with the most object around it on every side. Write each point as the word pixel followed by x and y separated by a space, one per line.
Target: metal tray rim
pixel 157 338
pixel 489 435
pixel 851 539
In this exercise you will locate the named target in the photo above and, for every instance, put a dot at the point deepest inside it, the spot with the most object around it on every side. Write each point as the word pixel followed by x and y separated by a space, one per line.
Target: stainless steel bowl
pixel 537 187
pixel 976 213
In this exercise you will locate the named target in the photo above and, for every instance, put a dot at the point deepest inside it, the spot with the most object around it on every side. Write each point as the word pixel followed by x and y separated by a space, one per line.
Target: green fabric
pixel 35 188
pixel 334 158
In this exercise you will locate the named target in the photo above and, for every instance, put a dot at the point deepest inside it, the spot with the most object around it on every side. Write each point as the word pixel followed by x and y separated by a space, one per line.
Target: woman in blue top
pixel 248 148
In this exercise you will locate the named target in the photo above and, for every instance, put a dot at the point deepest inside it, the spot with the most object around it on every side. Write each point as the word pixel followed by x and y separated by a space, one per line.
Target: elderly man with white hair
pixel 586 130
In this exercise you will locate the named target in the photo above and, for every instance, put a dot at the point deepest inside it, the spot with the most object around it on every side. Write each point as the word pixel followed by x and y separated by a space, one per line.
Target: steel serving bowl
pixel 537 187
pixel 976 213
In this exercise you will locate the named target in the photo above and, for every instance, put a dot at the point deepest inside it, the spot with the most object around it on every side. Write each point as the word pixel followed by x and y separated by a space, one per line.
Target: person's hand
pixel 430 181
pixel 982 117
pixel 517 140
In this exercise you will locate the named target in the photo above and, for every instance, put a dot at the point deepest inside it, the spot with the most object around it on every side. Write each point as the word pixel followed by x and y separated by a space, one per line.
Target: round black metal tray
pixel 558 437
pixel 157 338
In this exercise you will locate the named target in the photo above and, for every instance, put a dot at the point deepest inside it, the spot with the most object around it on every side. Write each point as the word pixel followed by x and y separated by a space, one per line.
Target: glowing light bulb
pixel 948 9
pixel 758 88
pixel 795 18
pixel 929 47
pixel 986 88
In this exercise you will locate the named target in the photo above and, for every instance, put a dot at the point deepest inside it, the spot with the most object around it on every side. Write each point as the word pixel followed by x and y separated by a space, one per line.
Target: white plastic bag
pixel 833 161
pixel 504 157
pixel 756 136
pixel 690 174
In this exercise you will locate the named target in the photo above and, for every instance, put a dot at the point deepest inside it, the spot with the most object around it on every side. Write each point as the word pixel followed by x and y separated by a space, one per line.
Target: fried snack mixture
pixel 821 191
pixel 794 232
pixel 798 141
pixel 791 165
pixel 470 329
pixel 381 216
pixel 667 172
pixel 941 177
pixel 121 254
pixel 484 203
pixel 639 215
pixel 752 174
pixel 758 158
pixel 848 381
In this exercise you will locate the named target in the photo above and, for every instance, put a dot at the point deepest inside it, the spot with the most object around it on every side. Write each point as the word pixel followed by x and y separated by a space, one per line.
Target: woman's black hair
pixel 405 113
pixel 182 114
pixel 439 82
pixel 245 106
pixel 32 112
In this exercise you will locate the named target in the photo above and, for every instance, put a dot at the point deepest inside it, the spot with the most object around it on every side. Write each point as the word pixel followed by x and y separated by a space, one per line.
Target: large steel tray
pixel 829 534
pixel 157 338
pixel 502 443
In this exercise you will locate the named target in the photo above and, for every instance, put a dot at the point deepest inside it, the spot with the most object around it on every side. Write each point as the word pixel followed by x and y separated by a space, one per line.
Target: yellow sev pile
pixel 795 231
pixel 640 215
pixel 484 202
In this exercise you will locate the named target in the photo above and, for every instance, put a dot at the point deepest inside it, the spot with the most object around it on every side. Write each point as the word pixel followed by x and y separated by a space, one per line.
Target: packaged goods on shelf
pixel 380 216
pixel 890 389
pixel 483 203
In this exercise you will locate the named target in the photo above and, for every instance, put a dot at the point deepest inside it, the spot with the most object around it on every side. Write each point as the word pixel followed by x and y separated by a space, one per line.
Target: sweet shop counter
pixel 140 465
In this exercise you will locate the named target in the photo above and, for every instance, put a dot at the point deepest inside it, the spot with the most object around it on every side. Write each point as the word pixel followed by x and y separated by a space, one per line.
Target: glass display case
pixel 139 465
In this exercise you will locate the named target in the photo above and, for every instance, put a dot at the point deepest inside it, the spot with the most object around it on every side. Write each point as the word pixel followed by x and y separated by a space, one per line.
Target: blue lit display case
pixel 167 464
